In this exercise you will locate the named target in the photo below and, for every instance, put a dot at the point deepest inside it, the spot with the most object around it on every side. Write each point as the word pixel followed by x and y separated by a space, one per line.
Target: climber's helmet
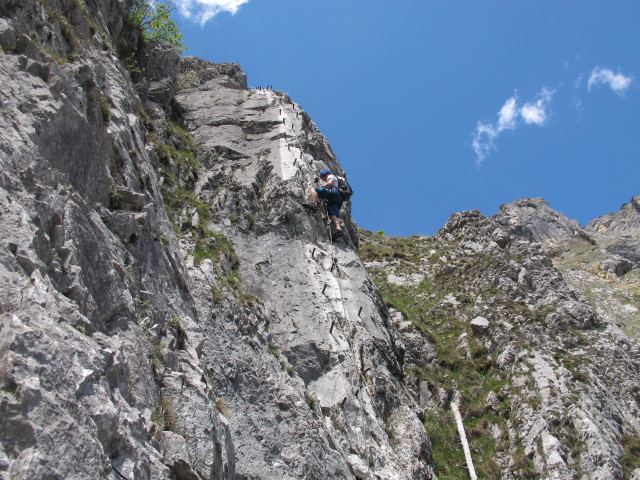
pixel 324 172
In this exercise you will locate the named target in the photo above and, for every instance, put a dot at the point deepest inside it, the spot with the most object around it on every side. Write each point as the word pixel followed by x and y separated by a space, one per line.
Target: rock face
pixel 548 388
pixel 600 260
pixel 619 232
pixel 82 266
pixel 169 310
pixel 534 219
pixel 337 368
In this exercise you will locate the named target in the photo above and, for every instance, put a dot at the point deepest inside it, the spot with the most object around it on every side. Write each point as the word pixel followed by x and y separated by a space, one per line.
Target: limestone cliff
pixel 169 310
pixel 600 260
pixel 548 387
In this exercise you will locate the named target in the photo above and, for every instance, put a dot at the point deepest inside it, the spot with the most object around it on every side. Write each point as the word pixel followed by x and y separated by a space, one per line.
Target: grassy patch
pixel 448 456
pixel 105 108
pixel 440 307
pixel 214 246
pixel 524 465
pixel 179 199
pixel 164 416
pixel 156 356
pixel 222 405
pixel 188 79
pixel 177 324
pixel 631 458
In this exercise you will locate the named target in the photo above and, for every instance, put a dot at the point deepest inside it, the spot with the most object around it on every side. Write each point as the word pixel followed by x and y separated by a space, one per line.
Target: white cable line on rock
pixel 334 259
pixel 295 137
pixel 334 263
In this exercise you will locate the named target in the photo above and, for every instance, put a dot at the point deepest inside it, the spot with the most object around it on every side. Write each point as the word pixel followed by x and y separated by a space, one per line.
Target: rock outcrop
pixel 169 310
pixel 600 260
pixel 535 220
pixel 336 367
pixel 619 232
pixel 547 387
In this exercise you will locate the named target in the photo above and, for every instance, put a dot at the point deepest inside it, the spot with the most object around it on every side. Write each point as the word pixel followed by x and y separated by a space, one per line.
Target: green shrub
pixel 154 21
pixel 105 108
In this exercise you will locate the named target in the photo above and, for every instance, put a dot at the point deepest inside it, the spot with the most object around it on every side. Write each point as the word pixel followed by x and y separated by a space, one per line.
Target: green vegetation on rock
pixel 470 371
pixel 153 18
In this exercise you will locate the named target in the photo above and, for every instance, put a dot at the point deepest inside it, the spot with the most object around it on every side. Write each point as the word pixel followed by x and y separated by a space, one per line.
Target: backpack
pixel 344 188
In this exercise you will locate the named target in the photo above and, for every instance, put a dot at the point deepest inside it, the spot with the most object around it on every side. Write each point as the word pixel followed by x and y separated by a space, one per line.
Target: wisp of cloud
pixel 536 113
pixel 201 11
pixel 485 134
pixel 604 76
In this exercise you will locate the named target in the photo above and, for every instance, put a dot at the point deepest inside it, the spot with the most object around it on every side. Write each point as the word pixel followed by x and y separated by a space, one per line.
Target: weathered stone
pixel 479 325
pixel 533 218
pixel 7 35
pixel 159 64
pixel 125 354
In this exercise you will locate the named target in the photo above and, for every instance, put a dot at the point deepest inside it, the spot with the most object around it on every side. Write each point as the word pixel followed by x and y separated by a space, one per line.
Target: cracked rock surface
pixel 170 310
pixel 548 387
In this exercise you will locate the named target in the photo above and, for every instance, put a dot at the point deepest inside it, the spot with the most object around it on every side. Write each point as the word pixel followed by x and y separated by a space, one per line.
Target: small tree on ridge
pixel 153 17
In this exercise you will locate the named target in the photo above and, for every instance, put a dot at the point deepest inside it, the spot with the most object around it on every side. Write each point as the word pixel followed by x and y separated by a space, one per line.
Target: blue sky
pixel 435 107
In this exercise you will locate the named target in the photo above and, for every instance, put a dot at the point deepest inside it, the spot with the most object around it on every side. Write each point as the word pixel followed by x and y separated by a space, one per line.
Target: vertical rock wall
pixel 337 365
pixel 90 271
pixel 127 352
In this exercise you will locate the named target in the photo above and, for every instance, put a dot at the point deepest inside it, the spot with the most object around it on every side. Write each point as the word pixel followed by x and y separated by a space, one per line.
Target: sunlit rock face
pixel 545 379
pixel 170 310
pixel 330 406
pixel 600 260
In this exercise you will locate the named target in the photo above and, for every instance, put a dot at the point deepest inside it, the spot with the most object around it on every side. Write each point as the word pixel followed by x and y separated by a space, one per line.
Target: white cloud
pixel 508 115
pixel 604 76
pixel 202 11
pixel 536 113
pixel 485 134
pixel 483 141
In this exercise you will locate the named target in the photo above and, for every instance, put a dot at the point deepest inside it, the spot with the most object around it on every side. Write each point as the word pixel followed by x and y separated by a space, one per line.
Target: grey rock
pixel 626 220
pixel 599 261
pixel 7 35
pixel 479 325
pixel 533 218
pixel 227 75
pixel 617 266
pixel 619 231
pixel 507 357
pixel 326 322
pixel 159 65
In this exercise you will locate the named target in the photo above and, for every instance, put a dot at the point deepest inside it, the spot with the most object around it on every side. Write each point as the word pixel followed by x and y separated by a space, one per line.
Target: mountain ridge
pixel 600 259
pixel 170 310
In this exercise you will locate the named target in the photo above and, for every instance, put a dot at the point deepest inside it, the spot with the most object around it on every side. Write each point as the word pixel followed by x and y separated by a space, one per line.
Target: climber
pixel 328 190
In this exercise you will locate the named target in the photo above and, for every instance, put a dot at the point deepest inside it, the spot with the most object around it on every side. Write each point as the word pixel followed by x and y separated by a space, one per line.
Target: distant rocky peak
pixel 535 220
pixel 624 221
pixel 619 232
